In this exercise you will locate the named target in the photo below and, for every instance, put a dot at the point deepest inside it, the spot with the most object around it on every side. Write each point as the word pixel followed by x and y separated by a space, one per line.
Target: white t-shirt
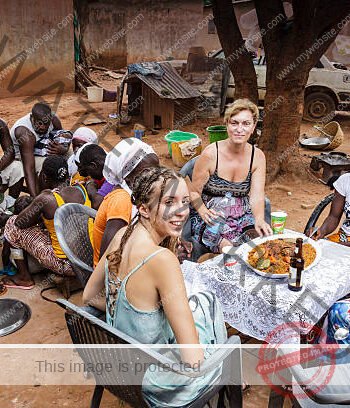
pixel 26 122
pixel 342 186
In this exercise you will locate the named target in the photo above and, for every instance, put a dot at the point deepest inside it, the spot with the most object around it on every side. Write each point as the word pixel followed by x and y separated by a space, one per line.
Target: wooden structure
pixel 163 102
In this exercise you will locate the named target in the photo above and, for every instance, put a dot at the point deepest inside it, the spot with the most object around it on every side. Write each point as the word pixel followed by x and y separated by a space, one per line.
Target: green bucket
pixel 217 133
pixel 177 136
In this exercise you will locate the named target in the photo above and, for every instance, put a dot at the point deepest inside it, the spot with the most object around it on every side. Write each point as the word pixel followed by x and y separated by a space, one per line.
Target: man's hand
pixel 55 148
pixel 315 233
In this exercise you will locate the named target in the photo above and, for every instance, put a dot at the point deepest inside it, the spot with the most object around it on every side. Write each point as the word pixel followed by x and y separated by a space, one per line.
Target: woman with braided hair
pixel 26 235
pixel 145 291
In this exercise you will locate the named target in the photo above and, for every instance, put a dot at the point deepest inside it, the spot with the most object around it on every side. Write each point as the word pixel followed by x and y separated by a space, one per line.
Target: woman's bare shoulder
pixel 209 151
pixel 259 156
pixel 258 152
pixel 164 262
pixel 207 158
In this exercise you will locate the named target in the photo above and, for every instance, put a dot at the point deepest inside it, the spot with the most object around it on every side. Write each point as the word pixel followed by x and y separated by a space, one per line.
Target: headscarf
pixel 123 159
pixel 86 135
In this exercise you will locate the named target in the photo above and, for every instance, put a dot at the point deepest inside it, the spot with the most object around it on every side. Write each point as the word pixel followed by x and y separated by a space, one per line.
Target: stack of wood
pixel 113 73
pixel 83 79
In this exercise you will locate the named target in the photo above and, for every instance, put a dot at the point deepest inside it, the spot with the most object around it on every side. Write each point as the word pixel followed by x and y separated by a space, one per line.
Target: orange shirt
pixel 116 204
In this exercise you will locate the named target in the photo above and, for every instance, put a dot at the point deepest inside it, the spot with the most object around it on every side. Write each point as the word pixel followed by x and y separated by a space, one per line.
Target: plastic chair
pixel 85 328
pixel 335 393
pixel 71 225
pixel 322 206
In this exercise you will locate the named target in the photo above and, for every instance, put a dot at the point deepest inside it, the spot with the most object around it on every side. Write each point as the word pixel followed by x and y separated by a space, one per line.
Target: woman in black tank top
pixel 234 169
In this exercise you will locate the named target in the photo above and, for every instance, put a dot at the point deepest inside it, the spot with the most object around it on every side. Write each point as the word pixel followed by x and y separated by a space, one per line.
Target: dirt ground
pixel 47 323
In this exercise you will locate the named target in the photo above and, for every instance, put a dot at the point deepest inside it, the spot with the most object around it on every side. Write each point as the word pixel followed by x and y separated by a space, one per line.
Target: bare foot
pixel 15 283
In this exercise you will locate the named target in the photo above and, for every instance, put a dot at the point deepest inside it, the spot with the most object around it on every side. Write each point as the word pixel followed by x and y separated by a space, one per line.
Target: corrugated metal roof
pixel 170 86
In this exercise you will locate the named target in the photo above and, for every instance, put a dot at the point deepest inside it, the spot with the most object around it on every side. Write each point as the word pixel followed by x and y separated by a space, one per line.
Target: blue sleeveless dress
pixel 161 389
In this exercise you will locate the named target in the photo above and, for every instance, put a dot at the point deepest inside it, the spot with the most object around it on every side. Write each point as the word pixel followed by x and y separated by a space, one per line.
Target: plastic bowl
pixel 177 136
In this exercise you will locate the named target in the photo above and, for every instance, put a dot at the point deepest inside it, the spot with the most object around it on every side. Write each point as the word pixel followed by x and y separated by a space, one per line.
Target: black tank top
pixel 217 186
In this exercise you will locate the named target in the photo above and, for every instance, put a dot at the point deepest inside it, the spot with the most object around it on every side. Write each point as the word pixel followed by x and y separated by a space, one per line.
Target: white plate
pixel 244 250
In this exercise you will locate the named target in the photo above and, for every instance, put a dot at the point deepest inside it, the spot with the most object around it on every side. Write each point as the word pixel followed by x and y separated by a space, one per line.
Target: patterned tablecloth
pixel 259 306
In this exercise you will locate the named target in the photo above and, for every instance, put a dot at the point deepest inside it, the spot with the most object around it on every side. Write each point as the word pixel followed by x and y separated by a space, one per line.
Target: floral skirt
pixel 238 218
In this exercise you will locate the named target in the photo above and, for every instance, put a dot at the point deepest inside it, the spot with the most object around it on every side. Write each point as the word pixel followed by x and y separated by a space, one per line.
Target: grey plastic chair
pixel 71 225
pixel 85 328
pixel 335 393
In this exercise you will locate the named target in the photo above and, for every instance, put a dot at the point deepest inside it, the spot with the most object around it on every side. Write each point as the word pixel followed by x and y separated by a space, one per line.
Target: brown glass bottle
pixel 296 268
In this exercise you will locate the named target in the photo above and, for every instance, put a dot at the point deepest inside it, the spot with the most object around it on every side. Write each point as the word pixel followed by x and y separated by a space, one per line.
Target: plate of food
pixel 270 256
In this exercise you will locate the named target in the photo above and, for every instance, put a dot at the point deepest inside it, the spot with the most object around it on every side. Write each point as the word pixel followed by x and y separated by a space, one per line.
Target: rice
pixel 277 253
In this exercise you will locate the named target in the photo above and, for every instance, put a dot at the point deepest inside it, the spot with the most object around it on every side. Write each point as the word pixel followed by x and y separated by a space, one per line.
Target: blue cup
pixel 139 134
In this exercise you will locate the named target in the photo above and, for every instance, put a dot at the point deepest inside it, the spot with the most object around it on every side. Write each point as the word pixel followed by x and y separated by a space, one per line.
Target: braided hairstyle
pixel 55 168
pixel 143 193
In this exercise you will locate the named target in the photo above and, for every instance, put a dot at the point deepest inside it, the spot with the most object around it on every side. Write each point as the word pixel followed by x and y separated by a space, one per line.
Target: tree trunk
pixel 292 47
pixel 237 56
pixel 284 45
pixel 282 118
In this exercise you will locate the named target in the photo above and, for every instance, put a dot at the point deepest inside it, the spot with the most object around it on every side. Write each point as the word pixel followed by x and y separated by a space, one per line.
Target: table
pixel 259 306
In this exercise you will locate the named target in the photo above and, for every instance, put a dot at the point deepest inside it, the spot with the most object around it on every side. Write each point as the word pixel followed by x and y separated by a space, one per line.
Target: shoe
pixel 9 270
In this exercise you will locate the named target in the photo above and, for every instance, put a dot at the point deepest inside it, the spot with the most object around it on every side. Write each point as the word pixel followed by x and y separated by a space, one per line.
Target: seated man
pixel 21 203
pixel 340 203
pixel 11 170
pixel 119 167
pixel 33 139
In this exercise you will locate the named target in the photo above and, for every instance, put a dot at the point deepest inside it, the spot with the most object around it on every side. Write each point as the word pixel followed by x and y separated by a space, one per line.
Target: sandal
pixel 11 284
pixel 245 387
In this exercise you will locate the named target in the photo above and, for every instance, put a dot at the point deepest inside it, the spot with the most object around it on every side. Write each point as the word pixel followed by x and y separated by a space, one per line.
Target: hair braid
pixel 143 192
pixel 115 257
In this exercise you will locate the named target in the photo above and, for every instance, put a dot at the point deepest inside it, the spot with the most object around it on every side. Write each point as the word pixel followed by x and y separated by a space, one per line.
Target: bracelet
pixel 88 182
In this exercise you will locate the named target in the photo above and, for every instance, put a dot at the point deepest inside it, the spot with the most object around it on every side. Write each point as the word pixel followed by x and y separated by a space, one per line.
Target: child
pixel 20 204
pixel 63 137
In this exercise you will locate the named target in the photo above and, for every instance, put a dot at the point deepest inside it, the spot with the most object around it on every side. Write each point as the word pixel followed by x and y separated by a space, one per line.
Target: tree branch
pixel 237 56
pixel 332 12
pixel 304 13
pixel 271 17
pixel 329 20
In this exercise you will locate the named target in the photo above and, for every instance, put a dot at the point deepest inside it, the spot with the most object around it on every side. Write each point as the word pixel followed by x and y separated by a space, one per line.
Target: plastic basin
pixel 95 94
pixel 217 133
pixel 177 136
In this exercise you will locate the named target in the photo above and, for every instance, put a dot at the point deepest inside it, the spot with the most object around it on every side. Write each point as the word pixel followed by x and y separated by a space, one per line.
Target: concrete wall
pixel 116 33
pixel 36 47
pixel 102 25
pixel 168 29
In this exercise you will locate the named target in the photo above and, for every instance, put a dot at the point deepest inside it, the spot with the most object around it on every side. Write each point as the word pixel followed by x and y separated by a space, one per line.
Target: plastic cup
pixel 139 133
pixel 278 221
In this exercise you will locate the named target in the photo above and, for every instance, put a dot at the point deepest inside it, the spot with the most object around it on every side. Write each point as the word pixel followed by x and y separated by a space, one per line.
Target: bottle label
pixel 292 274
pixel 299 279
pixel 211 234
pixel 294 279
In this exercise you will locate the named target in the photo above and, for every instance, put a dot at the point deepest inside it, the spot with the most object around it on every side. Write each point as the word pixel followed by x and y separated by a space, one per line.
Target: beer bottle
pixel 296 267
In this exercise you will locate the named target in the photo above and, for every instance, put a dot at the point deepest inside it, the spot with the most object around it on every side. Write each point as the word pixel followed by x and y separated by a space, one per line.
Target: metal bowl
pixel 315 143
pixel 14 315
